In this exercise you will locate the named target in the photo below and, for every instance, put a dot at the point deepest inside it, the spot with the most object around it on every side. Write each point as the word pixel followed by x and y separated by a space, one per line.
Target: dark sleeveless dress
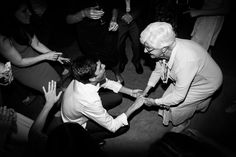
pixel 37 75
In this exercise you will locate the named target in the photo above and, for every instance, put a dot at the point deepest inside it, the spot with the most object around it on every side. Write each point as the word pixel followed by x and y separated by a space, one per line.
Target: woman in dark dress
pixel 20 46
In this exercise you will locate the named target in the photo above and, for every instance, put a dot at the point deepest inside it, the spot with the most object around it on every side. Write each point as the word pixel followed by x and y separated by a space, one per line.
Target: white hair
pixel 158 35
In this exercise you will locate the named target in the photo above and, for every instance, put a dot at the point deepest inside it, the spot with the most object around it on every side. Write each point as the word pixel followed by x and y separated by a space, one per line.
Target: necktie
pixel 165 75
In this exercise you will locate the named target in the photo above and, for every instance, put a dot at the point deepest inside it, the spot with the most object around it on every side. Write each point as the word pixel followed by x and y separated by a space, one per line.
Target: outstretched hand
pixel 52 55
pixel 63 60
pixel 50 95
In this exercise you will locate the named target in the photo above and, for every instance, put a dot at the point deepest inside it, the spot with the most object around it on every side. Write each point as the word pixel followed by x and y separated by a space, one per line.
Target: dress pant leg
pixel 135 43
pixel 122 36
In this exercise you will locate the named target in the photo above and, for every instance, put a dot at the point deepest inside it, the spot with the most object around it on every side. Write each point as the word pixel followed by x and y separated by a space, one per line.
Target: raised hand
pixel 50 95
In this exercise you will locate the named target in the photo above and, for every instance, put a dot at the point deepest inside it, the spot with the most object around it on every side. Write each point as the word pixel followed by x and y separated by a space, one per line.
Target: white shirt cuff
pixel 123 118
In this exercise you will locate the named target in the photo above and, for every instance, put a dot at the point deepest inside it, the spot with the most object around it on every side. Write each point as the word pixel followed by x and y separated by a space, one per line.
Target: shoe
pixel 119 78
pixel 122 66
pixel 181 127
pixel 138 68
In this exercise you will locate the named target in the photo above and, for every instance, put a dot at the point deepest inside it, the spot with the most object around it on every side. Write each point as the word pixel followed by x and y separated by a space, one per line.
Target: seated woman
pixel 20 46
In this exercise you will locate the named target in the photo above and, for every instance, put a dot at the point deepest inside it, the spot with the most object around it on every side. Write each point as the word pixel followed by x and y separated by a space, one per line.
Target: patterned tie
pixel 165 68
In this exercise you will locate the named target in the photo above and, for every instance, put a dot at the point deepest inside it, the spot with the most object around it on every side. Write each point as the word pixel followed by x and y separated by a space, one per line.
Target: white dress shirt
pixel 82 102
pixel 195 77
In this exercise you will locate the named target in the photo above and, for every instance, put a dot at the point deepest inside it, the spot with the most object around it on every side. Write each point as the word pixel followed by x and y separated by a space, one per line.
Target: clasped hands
pixel 142 99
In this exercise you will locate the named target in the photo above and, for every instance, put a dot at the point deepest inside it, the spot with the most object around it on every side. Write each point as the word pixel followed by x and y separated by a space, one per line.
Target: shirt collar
pixel 89 85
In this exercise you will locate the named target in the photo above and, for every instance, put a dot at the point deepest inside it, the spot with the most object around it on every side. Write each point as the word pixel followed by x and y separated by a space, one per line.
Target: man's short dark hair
pixel 84 68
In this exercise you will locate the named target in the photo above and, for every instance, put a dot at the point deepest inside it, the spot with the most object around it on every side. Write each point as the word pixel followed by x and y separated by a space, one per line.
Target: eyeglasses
pixel 149 49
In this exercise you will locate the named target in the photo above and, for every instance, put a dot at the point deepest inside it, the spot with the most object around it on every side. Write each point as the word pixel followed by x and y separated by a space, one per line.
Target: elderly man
pixel 194 75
